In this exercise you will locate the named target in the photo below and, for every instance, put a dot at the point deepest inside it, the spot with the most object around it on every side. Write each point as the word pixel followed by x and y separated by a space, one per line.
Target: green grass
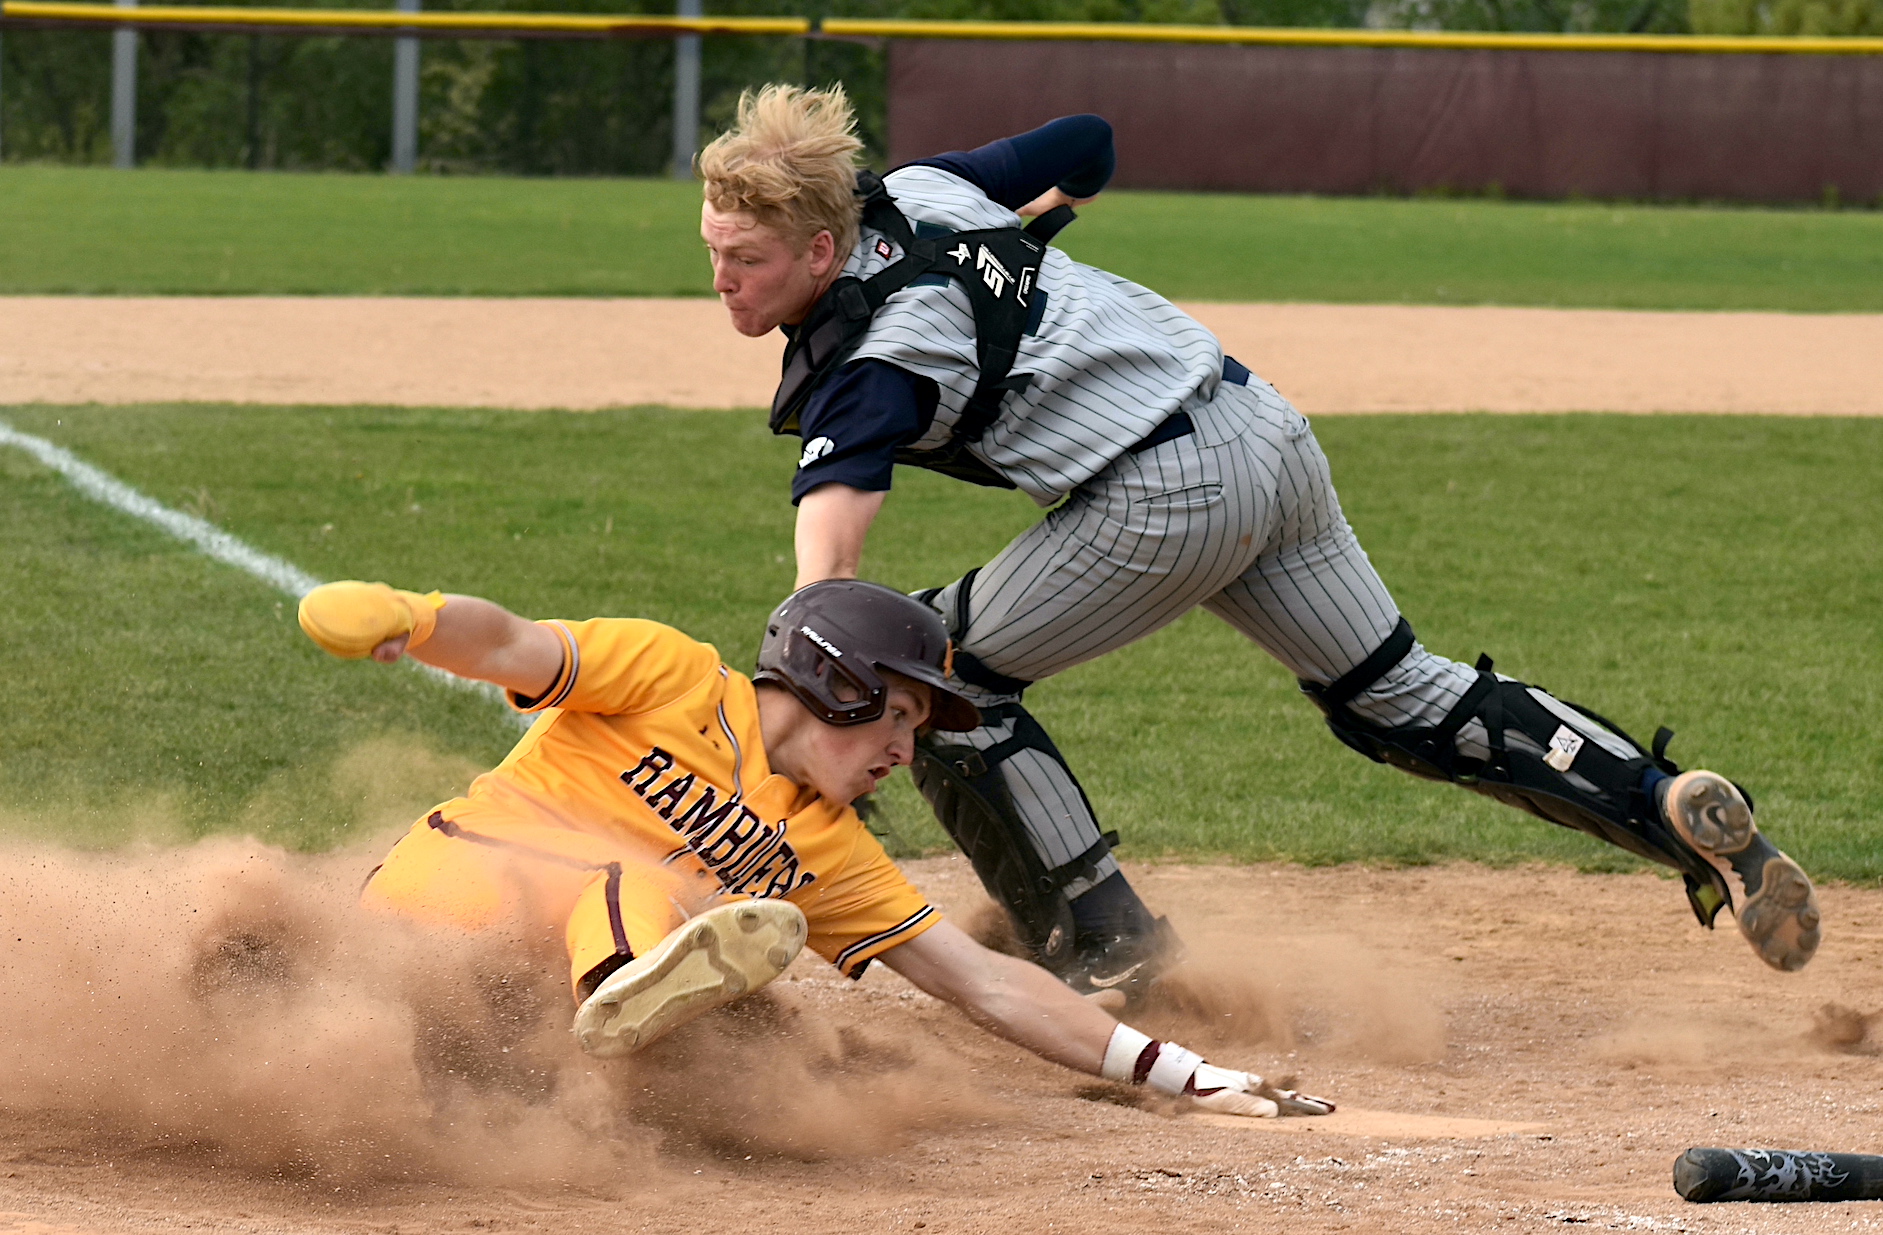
pixel 89 230
pixel 1455 251
pixel 1720 575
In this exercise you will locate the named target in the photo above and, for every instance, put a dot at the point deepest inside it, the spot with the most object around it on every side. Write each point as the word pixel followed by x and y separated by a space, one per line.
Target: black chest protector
pixel 997 267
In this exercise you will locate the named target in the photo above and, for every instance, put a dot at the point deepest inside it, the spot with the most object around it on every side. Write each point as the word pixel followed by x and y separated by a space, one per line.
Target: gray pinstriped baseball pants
pixel 1239 517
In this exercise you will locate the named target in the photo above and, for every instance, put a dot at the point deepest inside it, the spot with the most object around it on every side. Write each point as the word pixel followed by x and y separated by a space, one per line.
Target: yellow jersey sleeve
pixel 862 906
pixel 622 666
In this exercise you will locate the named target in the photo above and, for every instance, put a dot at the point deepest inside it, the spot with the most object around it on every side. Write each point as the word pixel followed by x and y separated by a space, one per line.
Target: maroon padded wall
pixel 1771 128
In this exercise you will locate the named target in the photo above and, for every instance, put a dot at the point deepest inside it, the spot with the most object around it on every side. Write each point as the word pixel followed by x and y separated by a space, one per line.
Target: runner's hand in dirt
pixel 1027 1006
pixel 1223 1092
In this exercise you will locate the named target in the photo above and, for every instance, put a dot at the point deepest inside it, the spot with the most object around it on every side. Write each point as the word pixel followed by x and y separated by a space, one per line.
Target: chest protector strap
pixel 997 267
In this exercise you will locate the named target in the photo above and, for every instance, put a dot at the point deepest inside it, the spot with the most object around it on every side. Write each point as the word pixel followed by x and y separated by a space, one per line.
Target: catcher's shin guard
pixel 973 797
pixel 1554 759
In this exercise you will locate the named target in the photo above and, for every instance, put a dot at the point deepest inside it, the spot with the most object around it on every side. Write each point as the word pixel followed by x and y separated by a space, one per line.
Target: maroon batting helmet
pixel 829 644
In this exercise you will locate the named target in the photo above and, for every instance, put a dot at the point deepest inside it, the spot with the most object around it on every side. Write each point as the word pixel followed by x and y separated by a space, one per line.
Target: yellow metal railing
pixel 626 24
pixel 393 22
pixel 1285 36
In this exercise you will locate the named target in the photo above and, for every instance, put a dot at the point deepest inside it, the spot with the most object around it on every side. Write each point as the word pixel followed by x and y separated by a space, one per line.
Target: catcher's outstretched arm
pixel 465 635
pixel 833 522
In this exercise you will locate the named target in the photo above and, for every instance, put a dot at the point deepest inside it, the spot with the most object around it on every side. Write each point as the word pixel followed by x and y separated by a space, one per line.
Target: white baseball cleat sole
pixel 1772 897
pixel 722 955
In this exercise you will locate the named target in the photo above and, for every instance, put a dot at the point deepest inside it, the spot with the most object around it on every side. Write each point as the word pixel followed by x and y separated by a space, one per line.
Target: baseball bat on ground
pixel 1777 1175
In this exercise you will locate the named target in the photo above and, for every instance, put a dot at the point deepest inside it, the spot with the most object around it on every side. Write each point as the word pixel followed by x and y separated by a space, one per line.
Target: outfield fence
pixel 1668 116
pixel 1680 126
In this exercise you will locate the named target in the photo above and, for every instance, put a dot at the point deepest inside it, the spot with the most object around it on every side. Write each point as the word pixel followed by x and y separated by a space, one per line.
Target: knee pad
pixel 971 797
pixel 1551 758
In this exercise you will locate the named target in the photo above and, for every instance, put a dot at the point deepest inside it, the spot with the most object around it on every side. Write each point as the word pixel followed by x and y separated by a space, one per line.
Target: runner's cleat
pixel 1770 895
pixel 720 956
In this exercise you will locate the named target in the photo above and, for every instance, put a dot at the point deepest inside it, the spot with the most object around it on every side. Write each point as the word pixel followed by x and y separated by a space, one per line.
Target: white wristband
pixel 1121 1054
pixel 1173 1069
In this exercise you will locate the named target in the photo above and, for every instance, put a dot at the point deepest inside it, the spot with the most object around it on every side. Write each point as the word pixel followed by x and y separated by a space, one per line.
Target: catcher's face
pixel 844 762
pixel 761 277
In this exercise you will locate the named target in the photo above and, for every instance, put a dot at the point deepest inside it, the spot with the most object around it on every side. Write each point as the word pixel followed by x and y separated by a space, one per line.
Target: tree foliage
pixel 1557 16
pixel 541 107
pixel 1811 17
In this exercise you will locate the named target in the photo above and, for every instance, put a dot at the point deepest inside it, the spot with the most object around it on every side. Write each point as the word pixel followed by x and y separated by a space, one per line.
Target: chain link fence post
pixel 124 93
pixel 686 94
pixel 405 98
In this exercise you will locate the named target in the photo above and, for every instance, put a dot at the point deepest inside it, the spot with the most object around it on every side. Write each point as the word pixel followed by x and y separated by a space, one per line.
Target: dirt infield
pixel 205 1039
pixel 1514 1051
pixel 603 353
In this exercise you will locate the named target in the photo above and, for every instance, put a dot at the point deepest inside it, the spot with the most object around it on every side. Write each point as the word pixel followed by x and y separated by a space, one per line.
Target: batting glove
pixel 1245 1093
pixel 350 619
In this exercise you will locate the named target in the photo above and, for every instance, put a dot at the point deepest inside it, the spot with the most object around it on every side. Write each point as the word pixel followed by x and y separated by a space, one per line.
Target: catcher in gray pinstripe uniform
pixel 927 327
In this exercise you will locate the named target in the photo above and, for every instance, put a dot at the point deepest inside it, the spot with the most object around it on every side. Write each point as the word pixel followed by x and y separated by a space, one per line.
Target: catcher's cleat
pixel 1770 895
pixel 723 954
pixel 1116 972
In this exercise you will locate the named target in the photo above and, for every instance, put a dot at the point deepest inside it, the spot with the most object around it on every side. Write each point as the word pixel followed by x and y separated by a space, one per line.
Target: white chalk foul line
pixel 102 487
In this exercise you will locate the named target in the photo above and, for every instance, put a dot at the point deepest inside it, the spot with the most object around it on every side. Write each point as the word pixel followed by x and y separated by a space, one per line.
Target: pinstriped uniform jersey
pixel 1109 360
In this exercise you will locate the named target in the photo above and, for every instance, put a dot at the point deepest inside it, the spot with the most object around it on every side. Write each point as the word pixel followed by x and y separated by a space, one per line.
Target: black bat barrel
pixel 1777 1175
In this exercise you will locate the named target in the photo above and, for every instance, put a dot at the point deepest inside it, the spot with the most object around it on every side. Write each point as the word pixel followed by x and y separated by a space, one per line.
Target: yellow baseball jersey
pixel 641 794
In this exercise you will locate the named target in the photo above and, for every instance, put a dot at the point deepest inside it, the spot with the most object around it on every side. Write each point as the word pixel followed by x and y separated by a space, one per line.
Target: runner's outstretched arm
pixel 1027 1006
pixel 1007 996
pixel 464 635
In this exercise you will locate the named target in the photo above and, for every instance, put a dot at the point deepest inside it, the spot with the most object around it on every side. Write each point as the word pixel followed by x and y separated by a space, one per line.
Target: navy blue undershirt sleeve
pixel 853 423
pixel 1072 153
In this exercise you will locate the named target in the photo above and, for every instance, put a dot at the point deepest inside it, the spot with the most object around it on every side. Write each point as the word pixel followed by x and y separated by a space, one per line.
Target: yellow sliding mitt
pixel 350 619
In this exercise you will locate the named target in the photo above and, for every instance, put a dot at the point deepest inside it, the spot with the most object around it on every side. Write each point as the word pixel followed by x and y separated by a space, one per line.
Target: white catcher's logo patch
pixel 1564 747
pixel 814 450
pixel 883 250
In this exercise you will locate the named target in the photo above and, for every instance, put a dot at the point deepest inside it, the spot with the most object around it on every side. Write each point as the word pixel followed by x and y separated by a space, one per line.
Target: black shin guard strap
pixel 968 666
pixel 1355 682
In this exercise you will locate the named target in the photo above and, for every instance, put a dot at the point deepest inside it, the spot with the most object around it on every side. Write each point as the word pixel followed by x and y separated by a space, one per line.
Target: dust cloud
pixel 1238 987
pixel 1844 1030
pixel 228 1002
pixel 1287 992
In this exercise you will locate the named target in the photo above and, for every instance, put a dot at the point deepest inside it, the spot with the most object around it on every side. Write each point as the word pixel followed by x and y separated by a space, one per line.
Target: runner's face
pixel 760 276
pixel 844 762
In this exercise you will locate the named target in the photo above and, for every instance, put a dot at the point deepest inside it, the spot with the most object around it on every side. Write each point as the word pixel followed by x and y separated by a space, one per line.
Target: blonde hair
pixel 790 161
